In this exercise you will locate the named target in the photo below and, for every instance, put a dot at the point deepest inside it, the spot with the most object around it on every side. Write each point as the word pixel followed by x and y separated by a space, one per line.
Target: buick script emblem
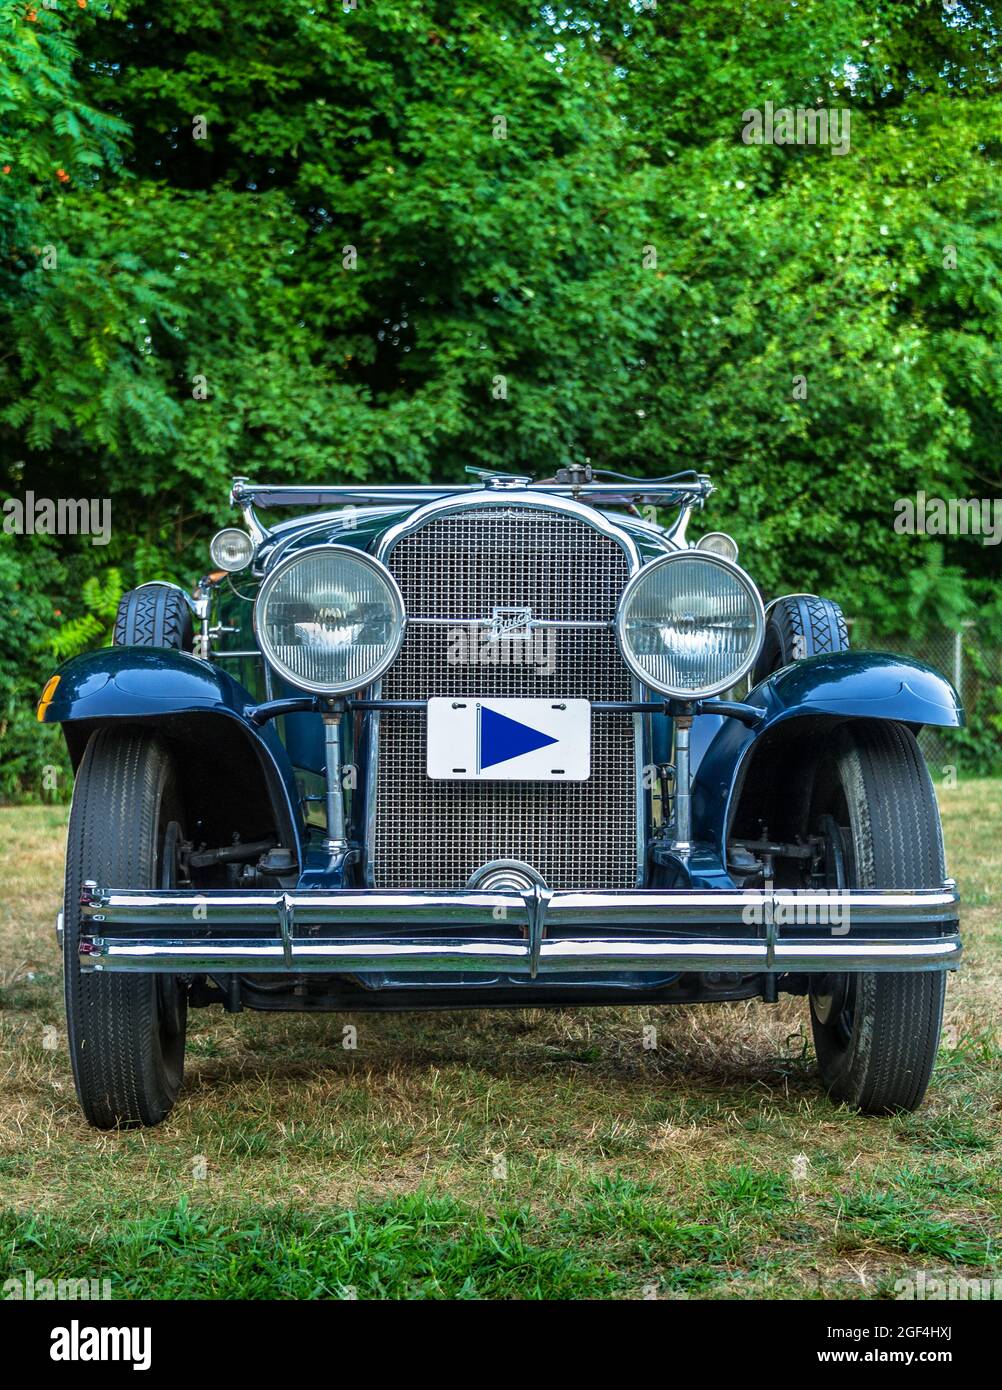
pixel 510 625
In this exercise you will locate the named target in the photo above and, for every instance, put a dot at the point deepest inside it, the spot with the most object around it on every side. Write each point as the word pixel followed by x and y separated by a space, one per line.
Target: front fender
pixel 187 699
pixel 831 689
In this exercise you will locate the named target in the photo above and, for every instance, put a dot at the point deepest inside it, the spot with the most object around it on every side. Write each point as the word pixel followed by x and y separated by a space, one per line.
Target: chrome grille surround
pixel 456 561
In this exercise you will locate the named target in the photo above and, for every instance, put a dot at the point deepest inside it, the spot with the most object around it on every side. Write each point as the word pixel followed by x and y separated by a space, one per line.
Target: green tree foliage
pixel 96 624
pixel 314 242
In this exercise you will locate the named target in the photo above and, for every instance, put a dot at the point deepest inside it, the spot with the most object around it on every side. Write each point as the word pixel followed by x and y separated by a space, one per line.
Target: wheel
pixel 154 615
pixel 126 1032
pixel 800 626
pixel 876 1034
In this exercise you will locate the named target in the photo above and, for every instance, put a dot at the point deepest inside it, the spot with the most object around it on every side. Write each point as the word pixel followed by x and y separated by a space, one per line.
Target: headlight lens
pixel 330 619
pixel 231 549
pixel 690 624
pixel 719 543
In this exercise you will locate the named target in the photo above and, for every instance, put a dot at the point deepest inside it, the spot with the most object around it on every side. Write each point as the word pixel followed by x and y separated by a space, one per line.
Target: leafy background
pixel 179 258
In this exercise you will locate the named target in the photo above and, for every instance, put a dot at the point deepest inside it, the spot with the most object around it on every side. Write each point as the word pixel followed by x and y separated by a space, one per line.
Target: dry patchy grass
pixel 713 1165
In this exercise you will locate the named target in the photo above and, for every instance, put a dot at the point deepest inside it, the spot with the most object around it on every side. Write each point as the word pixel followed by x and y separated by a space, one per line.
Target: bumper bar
pixel 346 931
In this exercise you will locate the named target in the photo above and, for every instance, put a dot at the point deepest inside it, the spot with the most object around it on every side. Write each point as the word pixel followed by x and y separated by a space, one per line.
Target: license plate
pixel 482 740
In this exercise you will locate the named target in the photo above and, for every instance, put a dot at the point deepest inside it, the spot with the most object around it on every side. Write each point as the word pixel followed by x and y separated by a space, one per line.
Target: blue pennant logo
pixel 500 738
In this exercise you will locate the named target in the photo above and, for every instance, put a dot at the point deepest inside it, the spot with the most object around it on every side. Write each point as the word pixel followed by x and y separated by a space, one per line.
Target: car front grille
pixel 457 569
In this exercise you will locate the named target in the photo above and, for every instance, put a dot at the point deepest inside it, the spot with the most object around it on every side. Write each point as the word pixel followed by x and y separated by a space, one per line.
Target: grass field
pixel 500 1155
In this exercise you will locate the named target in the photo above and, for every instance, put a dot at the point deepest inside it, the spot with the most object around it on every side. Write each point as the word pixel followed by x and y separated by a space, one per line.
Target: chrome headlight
pixel 718 543
pixel 330 619
pixel 690 624
pixel 231 550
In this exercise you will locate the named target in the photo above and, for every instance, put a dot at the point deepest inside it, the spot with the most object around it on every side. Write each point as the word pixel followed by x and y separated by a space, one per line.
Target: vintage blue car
pixel 466 746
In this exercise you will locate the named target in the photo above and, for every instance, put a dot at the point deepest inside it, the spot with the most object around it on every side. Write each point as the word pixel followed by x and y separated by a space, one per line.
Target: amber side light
pixel 47 697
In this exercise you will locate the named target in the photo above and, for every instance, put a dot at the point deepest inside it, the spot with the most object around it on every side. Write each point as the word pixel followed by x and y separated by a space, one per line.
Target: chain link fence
pixel 974 666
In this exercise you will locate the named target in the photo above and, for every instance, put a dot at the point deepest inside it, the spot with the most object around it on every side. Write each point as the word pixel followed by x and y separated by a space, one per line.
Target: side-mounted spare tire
pixel 154 615
pixel 797 626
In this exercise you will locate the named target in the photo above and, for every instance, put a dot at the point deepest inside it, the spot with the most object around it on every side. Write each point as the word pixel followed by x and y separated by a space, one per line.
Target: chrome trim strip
pixel 532 622
pixel 641 907
pixel 519 498
pixel 389 907
pixel 244 493
pixel 449 956
pixel 332 527
pixel 652 907
pixel 335 956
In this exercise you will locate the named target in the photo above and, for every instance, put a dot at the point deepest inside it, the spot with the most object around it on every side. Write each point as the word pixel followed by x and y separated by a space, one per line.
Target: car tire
pixel 154 615
pixel 126 1031
pixel 876 1035
pixel 798 626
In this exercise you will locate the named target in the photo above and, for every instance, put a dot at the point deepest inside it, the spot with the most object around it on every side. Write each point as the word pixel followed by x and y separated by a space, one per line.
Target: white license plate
pixel 481 740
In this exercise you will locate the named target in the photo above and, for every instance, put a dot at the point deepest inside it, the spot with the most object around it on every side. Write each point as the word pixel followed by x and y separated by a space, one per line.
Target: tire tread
pixel 898 843
pixel 801 625
pixel 154 615
pixel 112 1019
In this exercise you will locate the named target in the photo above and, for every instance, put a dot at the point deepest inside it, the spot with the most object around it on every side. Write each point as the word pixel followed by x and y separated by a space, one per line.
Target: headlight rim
pixel 272 577
pixel 680 557
pixel 237 531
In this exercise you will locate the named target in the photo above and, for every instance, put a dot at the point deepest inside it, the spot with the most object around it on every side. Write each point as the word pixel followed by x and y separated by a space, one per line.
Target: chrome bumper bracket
pixel 536 900
pixel 286 908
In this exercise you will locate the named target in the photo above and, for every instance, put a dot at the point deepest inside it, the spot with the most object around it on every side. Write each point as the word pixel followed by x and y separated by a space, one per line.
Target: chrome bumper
pixel 539 933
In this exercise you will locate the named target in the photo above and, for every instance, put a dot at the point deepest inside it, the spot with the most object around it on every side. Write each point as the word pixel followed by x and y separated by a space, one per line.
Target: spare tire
pixel 797 626
pixel 154 615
